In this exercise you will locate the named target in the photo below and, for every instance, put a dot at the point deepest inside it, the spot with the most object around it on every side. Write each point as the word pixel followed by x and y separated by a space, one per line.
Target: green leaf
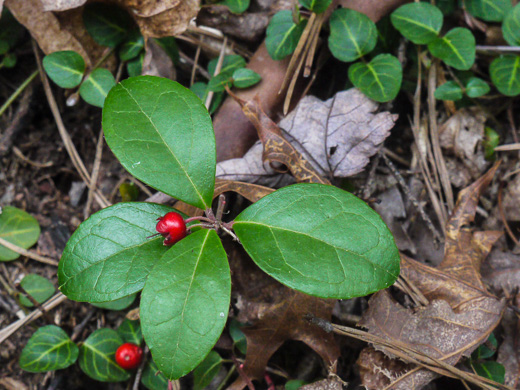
pixel 9 60
pixel 505 74
pixel 169 45
pixel 185 303
pixel 4 47
pixel 48 349
pixel 37 287
pixel 109 256
pixel 283 35
pixel 135 67
pixel 117 304
pixel 130 331
pixel 106 23
pixel 173 126
pixel 380 79
pixel 218 83
pixel 65 68
pixel 448 91
pixel 19 228
pixel 418 22
pixel 239 338
pixel 236 6
pixel 132 46
pixel 483 351
pixel 352 34
pixel 491 141
pixel 320 240
pixel 10 30
pixel 229 64
pixel 245 78
pixel 96 356
pixel 201 90
pixel 316 6
pixel 129 192
pixel 476 87
pixel 456 48
pixel 490 370
pixel 206 371
pixel 488 10
pixel 511 27
pixel 294 384
pixel 152 381
pixel 94 89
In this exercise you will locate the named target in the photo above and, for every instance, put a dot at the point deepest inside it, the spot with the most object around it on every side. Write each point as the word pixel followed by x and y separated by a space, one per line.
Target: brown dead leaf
pixel 8 383
pixel 156 62
pixel 461 313
pixel 509 350
pixel 512 200
pixel 251 192
pixel 332 383
pixel 501 271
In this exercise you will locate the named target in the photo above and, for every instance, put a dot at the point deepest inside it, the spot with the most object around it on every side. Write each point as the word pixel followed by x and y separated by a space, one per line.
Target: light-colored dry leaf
pixel 156 62
pixel 61 5
pixel 508 351
pixel 501 271
pixel 512 200
pixel 332 383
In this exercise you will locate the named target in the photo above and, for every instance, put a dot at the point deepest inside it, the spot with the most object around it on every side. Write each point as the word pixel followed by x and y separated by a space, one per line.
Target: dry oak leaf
pixel 460 315
pixel 335 138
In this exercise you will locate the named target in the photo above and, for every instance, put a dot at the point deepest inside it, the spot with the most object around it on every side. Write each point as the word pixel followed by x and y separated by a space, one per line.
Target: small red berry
pixel 129 356
pixel 171 227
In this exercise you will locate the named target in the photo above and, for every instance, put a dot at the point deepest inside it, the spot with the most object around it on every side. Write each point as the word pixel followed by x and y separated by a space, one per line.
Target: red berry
pixel 171 227
pixel 129 356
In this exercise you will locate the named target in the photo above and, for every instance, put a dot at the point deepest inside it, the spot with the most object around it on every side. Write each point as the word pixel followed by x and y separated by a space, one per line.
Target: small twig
pixel 242 374
pixel 29 254
pixel 221 206
pixel 500 49
pixel 79 328
pixel 20 155
pixel 18 91
pixel 139 373
pixel 198 218
pixel 95 175
pixel 196 61
pixel 218 68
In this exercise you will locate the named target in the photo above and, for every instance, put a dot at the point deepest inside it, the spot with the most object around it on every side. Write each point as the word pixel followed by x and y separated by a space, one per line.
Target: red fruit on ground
pixel 129 356
pixel 171 227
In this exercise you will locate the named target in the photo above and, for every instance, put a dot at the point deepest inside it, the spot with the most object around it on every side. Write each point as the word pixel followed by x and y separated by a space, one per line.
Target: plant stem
pixel 23 252
pixel 201 218
pixel 18 92
pixel 226 379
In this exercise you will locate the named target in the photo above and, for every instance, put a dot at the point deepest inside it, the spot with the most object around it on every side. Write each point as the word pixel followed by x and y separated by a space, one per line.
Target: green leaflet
pixel 245 78
pixel 185 303
pixel 283 35
pixel 152 381
pixel 316 6
pixel 448 91
pixel 206 371
pixel 117 304
pixel 162 134
pixel 132 46
pixel 37 287
pixel 19 228
pixel 236 6
pixel 65 68
pixel 505 74
pixel 476 87
pixel 94 89
pixel 489 10
pixel 294 235
pixel 106 23
pixel 511 27
pixel 456 48
pixel 230 63
pixel 48 349
pixel 130 331
pixel 418 22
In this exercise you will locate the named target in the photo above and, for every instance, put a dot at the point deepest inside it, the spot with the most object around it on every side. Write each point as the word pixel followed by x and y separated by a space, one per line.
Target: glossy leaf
pixel 172 125
pixel 456 48
pixel 229 64
pixel 484 351
pixel 201 90
pixel 96 356
pixel 106 23
pixel 37 287
pixel 316 6
pixel 294 384
pixel 152 378
pixel 130 331
pixel 135 67
pixel 320 240
pixel 490 370
pixel 476 87
pixel 505 74
pixel 109 256
pixel 9 61
pixel 245 78
pixel 283 34
pixel 132 46
pixel 236 6
pixel 511 27
pixel 19 228
pixel 48 349
pixel 206 371
pixel 185 303
pixel 352 34
pixel 95 88
pixel 488 10
pixel 418 22
pixel 380 79
pixel 218 83
pixel 448 91
pixel 65 68
pixel 117 304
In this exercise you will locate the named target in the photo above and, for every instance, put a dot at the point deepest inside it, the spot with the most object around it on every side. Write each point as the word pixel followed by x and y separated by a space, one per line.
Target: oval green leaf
pixel 380 79
pixel 185 303
pixel 488 10
pixel 96 356
pixel 132 46
pixel 135 67
pixel 490 370
pixel 109 256
pixel 418 22
pixel 450 90
pixel 505 74
pixel 201 90
pixel 236 6
pixel 152 378
pixel 316 6
pixel 106 23
pixel 476 87
pixel 511 27
pixel 218 83
pixel 456 48
pixel 94 89
pixel 117 304
pixel 19 228
pixel 37 287
pixel 65 68
pixel 320 240
pixel 283 34
pixel 206 371
pixel 171 125
pixel 48 349
pixel 245 78
pixel 229 64
pixel 130 331
pixel 352 34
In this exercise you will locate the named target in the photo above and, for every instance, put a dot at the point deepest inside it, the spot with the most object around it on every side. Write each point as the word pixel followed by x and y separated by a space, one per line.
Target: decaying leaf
pixel 251 192
pixel 332 383
pixel 501 270
pixel 512 200
pixel 327 139
pixel 508 352
pixel 460 315
pixel 156 62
